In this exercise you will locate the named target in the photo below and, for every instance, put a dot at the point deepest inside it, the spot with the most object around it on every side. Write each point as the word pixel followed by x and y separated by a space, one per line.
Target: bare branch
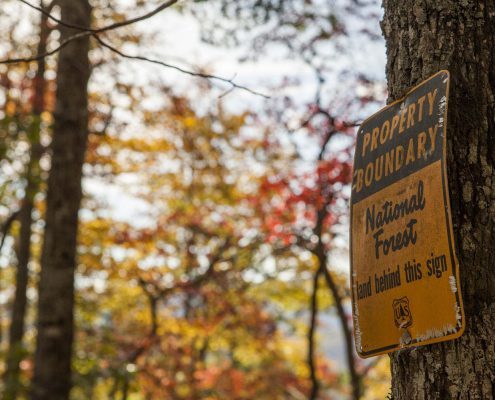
pixel 226 93
pixel 324 145
pixel 185 71
pixel 352 124
pixel 157 10
pixel 194 282
pixel 106 122
pixel 372 364
pixel 6 226
pixel 46 54
pixel 86 31
pixel 116 25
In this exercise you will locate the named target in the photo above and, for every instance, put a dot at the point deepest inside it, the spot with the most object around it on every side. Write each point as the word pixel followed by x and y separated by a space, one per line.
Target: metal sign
pixel 404 271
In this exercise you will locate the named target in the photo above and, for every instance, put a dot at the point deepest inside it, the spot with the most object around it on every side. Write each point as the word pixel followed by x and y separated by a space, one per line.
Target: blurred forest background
pixel 214 146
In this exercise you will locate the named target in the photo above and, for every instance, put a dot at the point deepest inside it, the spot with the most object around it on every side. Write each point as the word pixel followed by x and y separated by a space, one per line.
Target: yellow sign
pixel 404 271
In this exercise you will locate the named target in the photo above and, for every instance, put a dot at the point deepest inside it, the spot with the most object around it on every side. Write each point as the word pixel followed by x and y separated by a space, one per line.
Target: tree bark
pixel 424 36
pixel 52 372
pixel 17 324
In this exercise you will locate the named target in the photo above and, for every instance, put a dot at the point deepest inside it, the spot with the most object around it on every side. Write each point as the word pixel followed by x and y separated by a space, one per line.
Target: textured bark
pixel 424 36
pixel 52 372
pixel 17 324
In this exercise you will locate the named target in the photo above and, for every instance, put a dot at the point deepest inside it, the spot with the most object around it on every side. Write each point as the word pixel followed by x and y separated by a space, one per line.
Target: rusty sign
pixel 404 271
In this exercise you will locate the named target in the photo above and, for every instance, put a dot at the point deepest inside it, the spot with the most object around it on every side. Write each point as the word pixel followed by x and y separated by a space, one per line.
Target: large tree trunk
pixel 17 323
pixel 52 373
pixel 424 36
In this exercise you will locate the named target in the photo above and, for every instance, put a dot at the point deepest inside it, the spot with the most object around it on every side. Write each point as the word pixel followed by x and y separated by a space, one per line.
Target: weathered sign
pixel 404 271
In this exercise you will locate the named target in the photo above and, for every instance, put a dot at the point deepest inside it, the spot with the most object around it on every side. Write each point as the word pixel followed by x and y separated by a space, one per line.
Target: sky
pixel 177 40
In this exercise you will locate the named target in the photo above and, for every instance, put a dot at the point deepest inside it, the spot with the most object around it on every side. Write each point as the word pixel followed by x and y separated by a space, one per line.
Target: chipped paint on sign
pixel 453 285
pixel 404 271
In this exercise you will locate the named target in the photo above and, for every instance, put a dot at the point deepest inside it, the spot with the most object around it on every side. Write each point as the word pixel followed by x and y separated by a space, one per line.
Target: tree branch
pixel 324 145
pixel 116 25
pixel 46 54
pixel 86 31
pixel 184 71
pixel 6 227
pixel 193 282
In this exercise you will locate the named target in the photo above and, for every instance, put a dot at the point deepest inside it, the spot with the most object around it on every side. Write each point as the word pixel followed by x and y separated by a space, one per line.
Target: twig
pixel 352 124
pixel 116 25
pixel 106 122
pixel 372 364
pixel 324 145
pixel 86 31
pixel 226 93
pixel 6 226
pixel 196 281
pixel 160 8
pixel 46 54
pixel 175 67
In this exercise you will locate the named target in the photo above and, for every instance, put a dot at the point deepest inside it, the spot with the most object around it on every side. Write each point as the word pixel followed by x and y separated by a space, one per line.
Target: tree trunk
pixel 424 36
pixel 355 377
pixel 52 372
pixel 17 324
pixel 315 384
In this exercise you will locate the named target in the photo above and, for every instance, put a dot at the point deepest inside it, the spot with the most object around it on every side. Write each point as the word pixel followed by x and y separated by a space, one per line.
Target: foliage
pixel 194 280
pixel 185 290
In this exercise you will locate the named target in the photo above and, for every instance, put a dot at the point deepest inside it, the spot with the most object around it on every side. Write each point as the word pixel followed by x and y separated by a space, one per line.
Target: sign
pixel 404 271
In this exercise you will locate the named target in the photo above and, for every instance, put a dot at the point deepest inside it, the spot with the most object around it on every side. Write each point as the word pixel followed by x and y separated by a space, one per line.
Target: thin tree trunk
pixel 52 372
pixel 423 37
pixel 315 385
pixel 125 389
pixel 17 324
pixel 4 231
pixel 321 256
pixel 348 340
